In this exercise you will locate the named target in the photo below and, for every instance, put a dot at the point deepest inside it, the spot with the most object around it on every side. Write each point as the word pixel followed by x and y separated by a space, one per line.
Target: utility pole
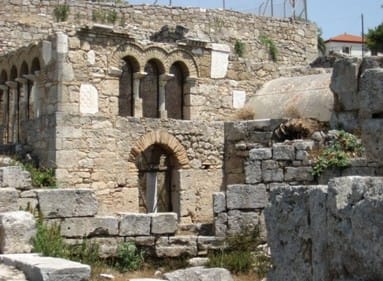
pixel 170 2
pixel 306 14
pixel 223 4
pixel 362 18
pixel 272 8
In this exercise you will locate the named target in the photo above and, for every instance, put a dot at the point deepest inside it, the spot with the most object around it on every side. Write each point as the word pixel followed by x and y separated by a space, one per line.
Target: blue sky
pixel 333 16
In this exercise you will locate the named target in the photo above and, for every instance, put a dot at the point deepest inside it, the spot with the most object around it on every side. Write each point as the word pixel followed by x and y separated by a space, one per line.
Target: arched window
pixel 126 99
pixel 175 91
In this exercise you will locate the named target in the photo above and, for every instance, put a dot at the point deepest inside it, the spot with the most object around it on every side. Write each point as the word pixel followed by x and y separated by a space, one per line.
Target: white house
pixel 347 44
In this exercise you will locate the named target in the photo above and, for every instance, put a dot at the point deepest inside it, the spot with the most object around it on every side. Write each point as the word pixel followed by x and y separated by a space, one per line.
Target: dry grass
pixel 245 113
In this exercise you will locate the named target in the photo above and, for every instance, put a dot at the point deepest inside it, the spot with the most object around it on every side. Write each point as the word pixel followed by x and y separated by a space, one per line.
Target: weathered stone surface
pixel 16 232
pixel 198 261
pixel 253 172
pixel 239 222
pixel 164 223
pixel 8 199
pixel 66 203
pixel 242 196
pixel 9 273
pixel 219 202
pixel 199 274
pixel 15 177
pixel 176 246
pixel 299 174
pixel 89 227
pixel 283 152
pixel 210 242
pixel 260 154
pixel 134 224
pixel 220 225
pixel 41 268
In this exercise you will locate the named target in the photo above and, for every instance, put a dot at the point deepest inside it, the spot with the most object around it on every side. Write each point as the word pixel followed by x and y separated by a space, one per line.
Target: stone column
pixel 30 96
pixel 188 91
pixel 164 78
pixel 137 101
pixel 4 117
pixel 12 122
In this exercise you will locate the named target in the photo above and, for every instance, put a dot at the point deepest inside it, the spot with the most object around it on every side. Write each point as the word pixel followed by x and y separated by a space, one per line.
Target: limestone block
pixel 372 138
pixel 27 204
pixel 239 222
pixel 66 203
pixel 10 273
pixel 219 202
pixel 36 267
pixel 91 57
pixel 88 99
pixel 134 224
pixel 61 43
pixel 210 242
pixel 46 51
pixel 164 223
pixel 107 246
pixel 199 274
pixel 253 172
pixel 220 225
pixel 304 144
pixel 299 174
pixel 198 261
pixel 16 177
pixel 283 152
pixel 176 246
pixel 143 241
pixel 272 175
pixel 260 154
pixel 242 196
pixel 370 93
pixel 89 227
pixel 239 99
pixel 8 199
pixel 16 232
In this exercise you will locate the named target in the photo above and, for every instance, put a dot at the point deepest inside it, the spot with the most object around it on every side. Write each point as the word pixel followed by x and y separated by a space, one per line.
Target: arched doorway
pixel 175 91
pixel 157 170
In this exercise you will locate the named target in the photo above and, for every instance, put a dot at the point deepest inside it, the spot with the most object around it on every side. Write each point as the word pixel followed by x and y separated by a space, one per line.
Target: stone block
pixel 89 227
pixel 40 268
pixel 283 152
pixel 15 177
pixel 176 246
pixel 240 222
pixel 253 172
pixel 144 241
pixel 210 242
pixel 16 232
pixel 242 196
pixel 304 144
pixel 164 223
pixel 219 202
pixel 66 203
pixel 272 175
pixel 134 224
pixel 220 225
pixel 260 154
pixel 199 274
pixel 303 174
pixel 8 199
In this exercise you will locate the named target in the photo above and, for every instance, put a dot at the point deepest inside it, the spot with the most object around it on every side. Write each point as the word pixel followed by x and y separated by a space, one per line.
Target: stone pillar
pixel 188 91
pixel 30 95
pixel 164 78
pixel 4 117
pixel 137 101
pixel 23 93
pixel 13 122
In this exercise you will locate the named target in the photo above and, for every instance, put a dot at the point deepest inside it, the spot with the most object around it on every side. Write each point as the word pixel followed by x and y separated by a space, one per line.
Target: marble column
pixel 137 101
pixel 13 112
pixel 164 78
pixel 5 114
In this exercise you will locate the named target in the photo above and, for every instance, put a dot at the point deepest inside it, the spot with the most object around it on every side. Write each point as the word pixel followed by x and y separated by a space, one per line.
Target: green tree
pixel 374 39
pixel 321 44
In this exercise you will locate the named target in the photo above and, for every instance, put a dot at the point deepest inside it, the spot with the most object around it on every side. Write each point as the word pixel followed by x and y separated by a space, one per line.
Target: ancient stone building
pixel 135 110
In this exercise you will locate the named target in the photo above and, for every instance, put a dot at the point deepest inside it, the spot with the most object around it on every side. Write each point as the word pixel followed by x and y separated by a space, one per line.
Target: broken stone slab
pixel 243 196
pixel 132 224
pixel 164 223
pixel 199 274
pixel 36 267
pixel 66 203
pixel 16 232
pixel 90 227
pixel 8 199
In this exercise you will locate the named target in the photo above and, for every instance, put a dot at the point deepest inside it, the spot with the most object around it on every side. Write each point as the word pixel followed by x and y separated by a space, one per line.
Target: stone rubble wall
pixel 358 90
pixel 326 233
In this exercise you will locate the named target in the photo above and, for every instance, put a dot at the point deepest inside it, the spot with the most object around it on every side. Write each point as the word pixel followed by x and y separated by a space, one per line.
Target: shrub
pixel 41 177
pixel 339 153
pixel 48 240
pixel 242 253
pixel 61 12
pixel 129 257
pixel 239 48
pixel 270 45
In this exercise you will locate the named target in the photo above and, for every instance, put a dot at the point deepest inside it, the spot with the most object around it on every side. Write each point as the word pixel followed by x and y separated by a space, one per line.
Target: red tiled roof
pixel 348 38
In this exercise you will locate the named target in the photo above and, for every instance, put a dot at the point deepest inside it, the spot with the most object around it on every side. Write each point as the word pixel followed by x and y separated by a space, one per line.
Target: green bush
pixel 129 257
pixel 270 45
pixel 239 48
pixel 48 241
pixel 242 253
pixel 339 153
pixel 61 12
pixel 41 177
pixel 104 16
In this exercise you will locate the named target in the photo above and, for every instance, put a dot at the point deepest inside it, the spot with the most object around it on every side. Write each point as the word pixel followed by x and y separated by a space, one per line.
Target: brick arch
pixel 157 54
pixel 162 138
pixel 128 50
pixel 187 59
pixel 34 54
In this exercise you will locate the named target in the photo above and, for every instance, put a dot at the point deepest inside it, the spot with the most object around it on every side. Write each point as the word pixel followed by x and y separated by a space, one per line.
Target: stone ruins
pixel 139 120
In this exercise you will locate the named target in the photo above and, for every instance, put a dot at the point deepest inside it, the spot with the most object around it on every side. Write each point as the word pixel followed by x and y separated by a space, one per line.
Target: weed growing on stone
pixel 41 177
pixel 61 12
pixel 270 45
pixel 242 254
pixel 339 153
pixel 48 240
pixel 129 257
pixel 239 48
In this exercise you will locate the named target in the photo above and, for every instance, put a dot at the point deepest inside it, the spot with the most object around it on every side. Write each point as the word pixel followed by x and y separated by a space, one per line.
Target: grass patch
pixel 41 177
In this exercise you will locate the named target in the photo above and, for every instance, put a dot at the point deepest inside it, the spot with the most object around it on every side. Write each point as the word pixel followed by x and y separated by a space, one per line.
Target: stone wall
pixel 358 90
pixel 326 233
